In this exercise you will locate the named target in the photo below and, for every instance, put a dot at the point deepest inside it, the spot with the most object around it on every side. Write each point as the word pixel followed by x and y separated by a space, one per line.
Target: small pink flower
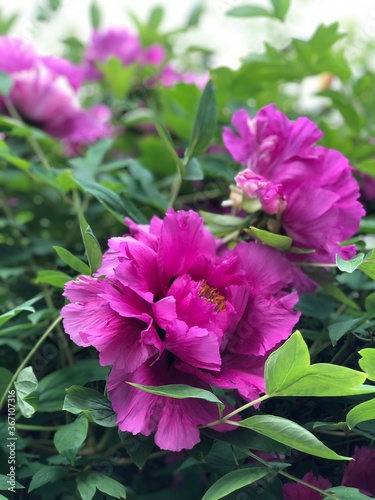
pixel 121 44
pixel 294 491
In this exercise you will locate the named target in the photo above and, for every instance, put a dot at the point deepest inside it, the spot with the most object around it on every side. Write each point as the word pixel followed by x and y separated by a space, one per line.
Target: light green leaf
pixel 4 485
pixel 26 306
pixel 367 363
pixel 27 398
pixel 288 373
pixel 221 225
pixel 69 438
pixel 88 482
pixel 119 78
pixel 194 170
pixel 72 261
pixel 181 391
pixel 93 252
pixel 346 493
pixel 271 239
pixel 6 83
pixel 281 8
pixel 351 265
pixel 289 433
pixel 205 123
pixel 249 11
pixel 233 481
pixel 47 474
pixel 368 265
pixel 53 278
pixel 95 16
pixel 361 413
pixel 366 166
pixel 94 405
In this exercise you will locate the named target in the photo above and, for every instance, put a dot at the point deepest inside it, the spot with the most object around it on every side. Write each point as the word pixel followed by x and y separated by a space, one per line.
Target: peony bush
pixel 187 265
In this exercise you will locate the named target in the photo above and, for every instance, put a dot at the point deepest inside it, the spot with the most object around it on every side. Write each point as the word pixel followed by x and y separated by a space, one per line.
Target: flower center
pixel 212 295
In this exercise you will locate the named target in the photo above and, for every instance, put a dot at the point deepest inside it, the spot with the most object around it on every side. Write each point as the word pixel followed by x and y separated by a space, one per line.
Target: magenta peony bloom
pixel 171 310
pixel 44 93
pixel 292 491
pixel 122 44
pixel 309 189
pixel 359 472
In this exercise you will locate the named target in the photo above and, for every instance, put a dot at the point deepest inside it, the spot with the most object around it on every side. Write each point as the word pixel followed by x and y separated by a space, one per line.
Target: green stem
pixel 322 492
pixel 38 428
pixel 28 357
pixel 31 140
pixel 175 188
pixel 242 408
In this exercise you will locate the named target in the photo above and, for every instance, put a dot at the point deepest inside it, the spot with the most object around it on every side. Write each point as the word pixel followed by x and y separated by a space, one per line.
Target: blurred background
pixel 227 37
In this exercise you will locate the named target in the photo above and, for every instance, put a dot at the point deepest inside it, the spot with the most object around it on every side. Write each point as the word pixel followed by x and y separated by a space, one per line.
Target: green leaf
pixel 281 8
pixel 221 225
pixel 4 485
pixel 338 330
pixel 272 240
pixel 194 170
pixel 346 493
pixel 205 123
pixel 368 265
pixel 69 438
pixel 289 433
pixel 47 474
pixel 26 306
pixel 249 11
pixel 367 167
pixel 95 15
pixel 155 18
pixel 6 83
pixel 112 201
pixel 53 278
pixel 93 252
pixel 27 398
pixel 233 481
pixel 5 377
pixel 89 482
pixel 137 446
pixel 351 265
pixel 288 373
pixel 361 413
pixel 119 78
pixel 72 261
pixel 94 405
pixel 370 303
pixel 367 363
pixel 52 387
pixel 181 391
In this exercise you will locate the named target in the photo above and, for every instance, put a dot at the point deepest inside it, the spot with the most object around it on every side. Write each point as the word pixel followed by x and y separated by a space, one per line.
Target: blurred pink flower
pixel 171 310
pixel 359 473
pixel 169 77
pixel 293 491
pixel 311 189
pixel 121 44
pixel 44 93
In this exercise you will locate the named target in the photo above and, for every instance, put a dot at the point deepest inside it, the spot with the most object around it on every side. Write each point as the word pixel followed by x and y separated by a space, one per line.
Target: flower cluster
pixel 121 44
pixel 45 94
pixel 308 192
pixel 168 307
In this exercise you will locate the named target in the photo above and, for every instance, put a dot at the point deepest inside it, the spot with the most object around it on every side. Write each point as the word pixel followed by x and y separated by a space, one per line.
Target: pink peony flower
pixel 169 77
pixel 296 490
pixel 309 188
pixel 122 44
pixel 170 310
pixel 44 93
pixel 359 472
